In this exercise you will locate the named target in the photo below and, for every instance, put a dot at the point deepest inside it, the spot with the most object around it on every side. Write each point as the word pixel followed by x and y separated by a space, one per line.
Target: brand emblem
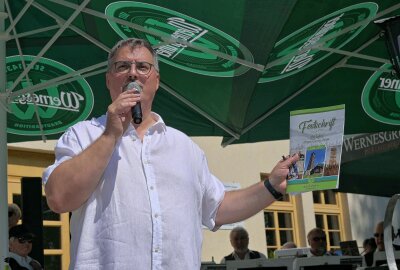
pixel 325 28
pixel 59 107
pixel 159 21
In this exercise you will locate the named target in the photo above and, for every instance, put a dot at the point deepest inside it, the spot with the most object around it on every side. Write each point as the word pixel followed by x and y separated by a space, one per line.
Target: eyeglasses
pixel 23 241
pixel 142 68
pixel 317 238
pixel 378 234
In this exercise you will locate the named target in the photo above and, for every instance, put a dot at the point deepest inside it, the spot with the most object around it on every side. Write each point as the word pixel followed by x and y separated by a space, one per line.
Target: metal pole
pixel 3 145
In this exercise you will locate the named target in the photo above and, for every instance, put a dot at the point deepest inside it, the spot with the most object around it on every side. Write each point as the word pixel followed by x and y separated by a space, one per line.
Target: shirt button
pixel 156 250
pixel 156 215
pixel 151 187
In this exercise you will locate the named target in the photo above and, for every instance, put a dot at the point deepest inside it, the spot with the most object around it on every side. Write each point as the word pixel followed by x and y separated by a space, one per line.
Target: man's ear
pixel 107 80
pixel 158 80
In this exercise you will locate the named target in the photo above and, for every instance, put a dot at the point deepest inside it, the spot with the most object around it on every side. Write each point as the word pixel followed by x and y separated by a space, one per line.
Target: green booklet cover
pixel 317 135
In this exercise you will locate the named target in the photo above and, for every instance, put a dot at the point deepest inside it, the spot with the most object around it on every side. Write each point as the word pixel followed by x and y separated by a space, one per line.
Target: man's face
pixel 239 241
pixel 116 81
pixel 317 242
pixel 379 237
pixel 21 246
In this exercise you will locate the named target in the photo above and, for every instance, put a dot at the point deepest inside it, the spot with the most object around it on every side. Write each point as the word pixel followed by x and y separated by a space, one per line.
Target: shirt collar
pixel 159 124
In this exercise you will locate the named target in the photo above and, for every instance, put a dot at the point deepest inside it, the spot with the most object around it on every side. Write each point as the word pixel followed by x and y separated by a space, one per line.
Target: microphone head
pixel 134 85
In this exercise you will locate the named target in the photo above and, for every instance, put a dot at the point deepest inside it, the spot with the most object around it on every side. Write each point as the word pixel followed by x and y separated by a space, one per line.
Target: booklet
pixel 317 136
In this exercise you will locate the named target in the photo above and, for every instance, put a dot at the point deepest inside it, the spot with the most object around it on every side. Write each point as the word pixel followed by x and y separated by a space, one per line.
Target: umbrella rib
pixel 54 82
pixel 165 37
pixel 39 120
pixel 50 43
pixel 323 40
pixel 366 68
pixel 58 80
pixel 357 55
pixel 267 114
pixel 33 32
pixel 198 110
pixel 74 28
pixel 19 16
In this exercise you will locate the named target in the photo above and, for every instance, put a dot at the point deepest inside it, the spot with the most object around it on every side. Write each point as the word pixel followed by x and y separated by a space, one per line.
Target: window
pixel 328 216
pixel 280 224
pixel 278 229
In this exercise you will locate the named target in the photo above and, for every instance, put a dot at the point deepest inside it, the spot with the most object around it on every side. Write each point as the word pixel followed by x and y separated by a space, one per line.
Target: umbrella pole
pixel 3 145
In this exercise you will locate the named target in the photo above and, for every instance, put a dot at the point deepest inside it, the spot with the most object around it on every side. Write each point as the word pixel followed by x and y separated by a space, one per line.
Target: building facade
pixel 342 216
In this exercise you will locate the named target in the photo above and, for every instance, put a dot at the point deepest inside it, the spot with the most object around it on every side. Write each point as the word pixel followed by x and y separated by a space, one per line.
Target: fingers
pixel 123 104
pixel 290 160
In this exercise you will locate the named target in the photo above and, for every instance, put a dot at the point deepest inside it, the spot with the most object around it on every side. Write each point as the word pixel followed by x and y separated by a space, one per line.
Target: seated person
pixel 369 246
pixel 20 244
pixel 240 241
pixel 317 240
pixel 14 215
pixel 288 245
pixel 379 237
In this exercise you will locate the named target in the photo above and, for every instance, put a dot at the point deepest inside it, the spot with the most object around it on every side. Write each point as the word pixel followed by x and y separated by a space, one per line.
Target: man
pixel 378 235
pixel 14 215
pixel 317 240
pixel 379 240
pixel 139 193
pixel 239 238
pixel 20 244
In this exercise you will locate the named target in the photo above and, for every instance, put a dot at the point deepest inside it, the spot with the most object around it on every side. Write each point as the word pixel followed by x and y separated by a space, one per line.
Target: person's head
pixel 14 215
pixel 317 240
pixel 239 239
pixel 20 240
pixel 133 60
pixel 369 245
pixel 378 235
pixel 288 245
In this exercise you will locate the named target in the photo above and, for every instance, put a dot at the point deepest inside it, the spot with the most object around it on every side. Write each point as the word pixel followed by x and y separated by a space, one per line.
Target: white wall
pixel 366 212
pixel 241 164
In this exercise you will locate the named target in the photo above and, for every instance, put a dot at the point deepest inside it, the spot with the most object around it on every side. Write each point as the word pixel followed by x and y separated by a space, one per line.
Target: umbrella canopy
pixel 231 69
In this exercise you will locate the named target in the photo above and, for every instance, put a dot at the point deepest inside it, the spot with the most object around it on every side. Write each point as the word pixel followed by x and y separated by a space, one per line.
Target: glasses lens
pixel 377 235
pixel 122 66
pixel 143 67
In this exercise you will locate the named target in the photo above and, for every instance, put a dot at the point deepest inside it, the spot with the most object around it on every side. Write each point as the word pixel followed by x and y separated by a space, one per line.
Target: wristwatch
pixel 276 194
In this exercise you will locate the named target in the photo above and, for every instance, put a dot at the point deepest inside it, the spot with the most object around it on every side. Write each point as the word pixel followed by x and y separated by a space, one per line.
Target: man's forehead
pixel 137 51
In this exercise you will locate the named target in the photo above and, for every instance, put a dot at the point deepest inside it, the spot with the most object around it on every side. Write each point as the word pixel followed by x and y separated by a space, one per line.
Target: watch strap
pixel 276 194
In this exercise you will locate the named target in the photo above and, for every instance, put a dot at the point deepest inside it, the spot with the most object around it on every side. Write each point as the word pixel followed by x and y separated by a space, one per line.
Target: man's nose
pixel 133 71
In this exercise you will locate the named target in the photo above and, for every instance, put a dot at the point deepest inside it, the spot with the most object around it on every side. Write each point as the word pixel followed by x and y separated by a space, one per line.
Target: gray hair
pixel 239 230
pixel 14 208
pixel 132 43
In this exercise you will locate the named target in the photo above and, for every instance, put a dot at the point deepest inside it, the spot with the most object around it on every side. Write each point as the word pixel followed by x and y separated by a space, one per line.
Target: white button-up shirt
pixel 148 209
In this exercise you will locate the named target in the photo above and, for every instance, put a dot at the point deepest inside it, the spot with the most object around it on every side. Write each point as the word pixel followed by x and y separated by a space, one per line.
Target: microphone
pixel 137 109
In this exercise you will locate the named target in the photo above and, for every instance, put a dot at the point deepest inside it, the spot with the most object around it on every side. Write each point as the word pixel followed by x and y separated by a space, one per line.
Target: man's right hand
pixel 119 113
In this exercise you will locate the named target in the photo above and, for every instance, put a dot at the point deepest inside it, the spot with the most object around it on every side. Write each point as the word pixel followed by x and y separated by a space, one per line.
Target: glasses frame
pixel 378 234
pixel 130 67
pixel 318 238
pixel 23 240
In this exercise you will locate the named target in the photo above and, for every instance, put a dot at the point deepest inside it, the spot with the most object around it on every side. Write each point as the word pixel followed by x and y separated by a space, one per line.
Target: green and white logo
pixel 381 97
pixel 59 107
pixel 160 22
pixel 325 28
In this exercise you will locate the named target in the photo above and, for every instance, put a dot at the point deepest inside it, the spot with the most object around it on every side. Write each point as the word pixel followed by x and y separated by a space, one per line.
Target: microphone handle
pixel 137 113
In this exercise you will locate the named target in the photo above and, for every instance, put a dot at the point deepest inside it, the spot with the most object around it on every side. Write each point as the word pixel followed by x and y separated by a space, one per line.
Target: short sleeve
pixel 66 148
pixel 213 194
